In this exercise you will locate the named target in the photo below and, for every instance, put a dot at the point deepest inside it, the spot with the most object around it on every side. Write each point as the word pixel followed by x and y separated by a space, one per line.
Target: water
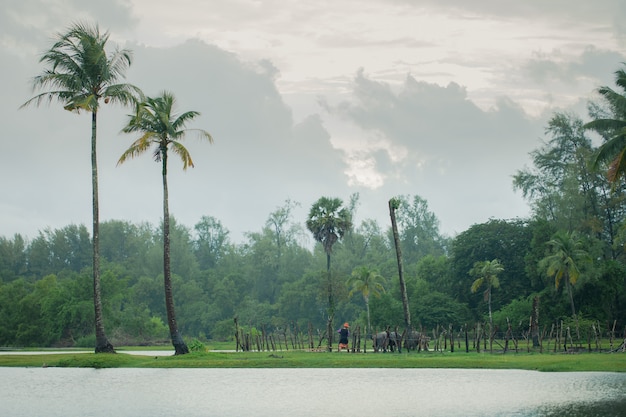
pixel 68 392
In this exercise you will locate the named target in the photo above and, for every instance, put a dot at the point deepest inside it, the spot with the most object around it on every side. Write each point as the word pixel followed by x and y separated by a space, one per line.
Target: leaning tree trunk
pixel 393 205
pixel 331 305
pixel 102 343
pixel 177 340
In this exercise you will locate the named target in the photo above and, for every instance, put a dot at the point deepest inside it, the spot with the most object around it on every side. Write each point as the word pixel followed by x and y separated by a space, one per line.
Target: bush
pixel 518 312
pixel 197 346
pixel 88 341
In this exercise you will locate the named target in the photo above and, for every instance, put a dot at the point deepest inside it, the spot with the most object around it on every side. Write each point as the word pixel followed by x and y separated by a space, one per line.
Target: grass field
pixel 548 362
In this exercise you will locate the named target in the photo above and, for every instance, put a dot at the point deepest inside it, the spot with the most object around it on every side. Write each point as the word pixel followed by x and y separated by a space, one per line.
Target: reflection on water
pixel 308 392
pixel 608 408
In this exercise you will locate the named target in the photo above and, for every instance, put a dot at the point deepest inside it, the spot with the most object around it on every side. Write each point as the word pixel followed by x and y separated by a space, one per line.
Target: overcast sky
pixel 443 99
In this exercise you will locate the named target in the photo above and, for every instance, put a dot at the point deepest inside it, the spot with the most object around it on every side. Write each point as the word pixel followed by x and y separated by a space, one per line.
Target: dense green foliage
pixel 272 281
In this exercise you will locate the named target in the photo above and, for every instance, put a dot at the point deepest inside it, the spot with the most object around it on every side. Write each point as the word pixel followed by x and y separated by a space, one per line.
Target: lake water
pixel 68 392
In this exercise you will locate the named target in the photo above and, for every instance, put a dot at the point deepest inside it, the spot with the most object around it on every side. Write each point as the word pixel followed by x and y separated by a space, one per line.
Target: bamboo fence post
pixel 530 327
pixel 508 335
pixel 451 331
pixel 310 331
pixel 236 335
pixel 466 340
pixel 612 335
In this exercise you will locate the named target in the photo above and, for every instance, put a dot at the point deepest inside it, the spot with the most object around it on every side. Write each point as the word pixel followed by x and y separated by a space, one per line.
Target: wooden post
pixel 508 335
pixel 612 336
pixel 530 331
pixel 236 335
pixel 291 337
pixel 466 340
pixel 451 330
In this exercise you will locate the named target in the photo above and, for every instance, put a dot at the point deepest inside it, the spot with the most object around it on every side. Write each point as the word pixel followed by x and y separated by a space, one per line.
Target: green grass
pixel 548 362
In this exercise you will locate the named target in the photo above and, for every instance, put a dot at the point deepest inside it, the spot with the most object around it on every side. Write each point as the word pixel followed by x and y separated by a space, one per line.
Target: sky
pixel 443 99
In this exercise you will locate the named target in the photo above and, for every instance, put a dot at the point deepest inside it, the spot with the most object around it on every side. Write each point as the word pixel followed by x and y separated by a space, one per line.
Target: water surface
pixel 68 392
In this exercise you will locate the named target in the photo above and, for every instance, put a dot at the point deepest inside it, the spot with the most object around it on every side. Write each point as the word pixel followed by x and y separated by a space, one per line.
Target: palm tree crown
pixel 487 274
pixel 80 72
pixel 566 253
pixel 328 222
pixel 155 119
pixel 613 151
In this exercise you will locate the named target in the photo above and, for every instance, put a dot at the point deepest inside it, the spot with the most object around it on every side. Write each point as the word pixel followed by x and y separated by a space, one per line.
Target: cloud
pixel 456 96
pixel 440 145
pixel 590 64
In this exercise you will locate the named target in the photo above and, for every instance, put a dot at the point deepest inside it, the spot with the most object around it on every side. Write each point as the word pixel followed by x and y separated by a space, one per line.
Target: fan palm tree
pixel 79 75
pixel 563 262
pixel 613 151
pixel 486 273
pixel 329 222
pixel 368 282
pixel 162 129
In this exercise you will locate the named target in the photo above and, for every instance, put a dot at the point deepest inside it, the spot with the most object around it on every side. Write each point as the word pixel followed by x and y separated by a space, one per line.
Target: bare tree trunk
pixel 393 205
pixel 102 343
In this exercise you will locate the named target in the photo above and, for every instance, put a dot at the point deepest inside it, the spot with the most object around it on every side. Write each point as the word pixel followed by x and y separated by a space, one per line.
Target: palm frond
pixel 137 148
pixel 183 153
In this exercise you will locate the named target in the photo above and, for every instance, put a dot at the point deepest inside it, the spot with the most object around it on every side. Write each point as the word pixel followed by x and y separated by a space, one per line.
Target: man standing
pixel 344 334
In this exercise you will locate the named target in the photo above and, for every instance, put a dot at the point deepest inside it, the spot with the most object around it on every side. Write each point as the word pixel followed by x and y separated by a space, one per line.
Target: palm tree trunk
pixel 396 241
pixel 367 309
pixel 331 305
pixel 180 347
pixel 490 324
pixel 102 343
pixel 490 316
pixel 571 300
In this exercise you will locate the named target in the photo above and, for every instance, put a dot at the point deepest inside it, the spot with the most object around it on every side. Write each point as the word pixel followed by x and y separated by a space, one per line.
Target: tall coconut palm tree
pixel 613 151
pixel 486 273
pixel 566 255
pixel 79 74
pixel 368 282
pixel 162 129
pixel 328 221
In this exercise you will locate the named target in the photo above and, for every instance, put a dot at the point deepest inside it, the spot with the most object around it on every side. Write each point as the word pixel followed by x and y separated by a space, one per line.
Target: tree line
pixel 565 263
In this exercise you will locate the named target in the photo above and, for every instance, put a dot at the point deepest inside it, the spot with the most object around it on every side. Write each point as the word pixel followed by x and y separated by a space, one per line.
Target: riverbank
pixel 547 362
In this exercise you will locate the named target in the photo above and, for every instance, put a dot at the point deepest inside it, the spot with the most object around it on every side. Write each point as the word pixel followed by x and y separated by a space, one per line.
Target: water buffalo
pixel 387 341
pixel 416 341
